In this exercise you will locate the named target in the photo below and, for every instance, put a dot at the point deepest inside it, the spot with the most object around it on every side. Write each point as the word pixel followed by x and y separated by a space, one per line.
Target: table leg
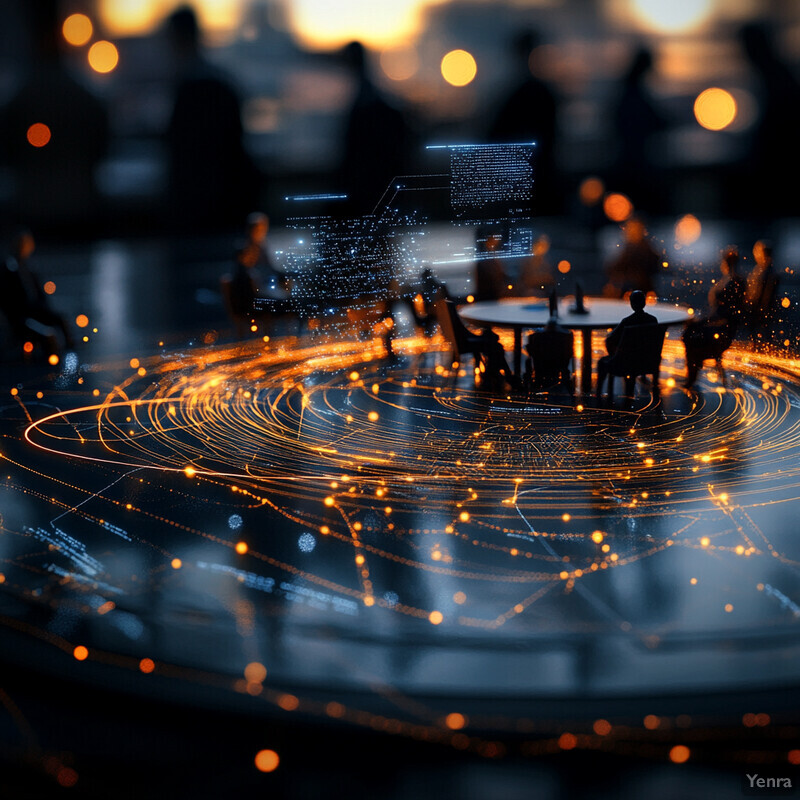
pixel 586 362
pixel 518 353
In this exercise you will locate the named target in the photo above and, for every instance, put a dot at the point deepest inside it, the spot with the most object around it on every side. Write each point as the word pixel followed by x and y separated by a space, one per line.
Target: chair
pixel 707 340
pixel 550 362
pixel 638 353
pixel 485 348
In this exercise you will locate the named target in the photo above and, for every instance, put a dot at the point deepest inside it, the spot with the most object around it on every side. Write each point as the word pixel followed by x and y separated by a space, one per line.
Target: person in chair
pixel 638 301
pixel 550 350
pixel 708 335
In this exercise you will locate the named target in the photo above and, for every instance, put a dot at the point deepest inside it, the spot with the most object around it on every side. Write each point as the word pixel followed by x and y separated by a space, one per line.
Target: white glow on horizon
pixel 672 16
pixel 321 24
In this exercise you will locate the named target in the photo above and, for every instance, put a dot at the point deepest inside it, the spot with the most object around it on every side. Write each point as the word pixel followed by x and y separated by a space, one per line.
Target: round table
pixel 521 313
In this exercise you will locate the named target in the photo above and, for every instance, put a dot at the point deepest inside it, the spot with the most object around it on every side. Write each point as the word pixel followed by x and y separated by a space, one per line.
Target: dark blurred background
pixel 619 80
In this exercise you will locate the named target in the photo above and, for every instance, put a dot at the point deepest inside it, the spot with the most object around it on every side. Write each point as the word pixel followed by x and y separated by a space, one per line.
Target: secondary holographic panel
pixel 491 181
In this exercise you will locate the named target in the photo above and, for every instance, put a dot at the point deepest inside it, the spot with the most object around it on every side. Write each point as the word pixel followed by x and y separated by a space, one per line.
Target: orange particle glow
pixel 793 757
pixel 190 472
pixel 786 302
pixel 567 741
pixel 77 29
pixel 329 501
pixel 267 760
pixel 651 722
pixel 464 516
pixel 687 230
pixel 82 320
pixel 134 362
pixel 67 777
pixel 597 537
pixel 103 56
pixel 80 653
pixel 38 134
pixel 455 721
pixel 602 727
pixel 28 347
pixel 288 702
pixel 53 359
pixel 679 754
pixel 241 548
pixel 334 709
pixel 459 68
pixel 176 563
pixel 460 598
pixel 591 191
pixel 715 109
pixel 728 607
pixel 435 617
pixel 564 267
pixel 49 287
pixel 617 207
pixel 372 416
pixel 147 665
pixel 255 672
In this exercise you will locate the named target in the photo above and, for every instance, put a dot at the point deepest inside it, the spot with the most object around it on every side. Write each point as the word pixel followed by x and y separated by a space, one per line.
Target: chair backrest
pixel 551 351
pixel 453 328
pixel 639 350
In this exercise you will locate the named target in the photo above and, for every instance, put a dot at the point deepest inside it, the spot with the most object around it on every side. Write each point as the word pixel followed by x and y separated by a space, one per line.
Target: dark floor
pixel 452 593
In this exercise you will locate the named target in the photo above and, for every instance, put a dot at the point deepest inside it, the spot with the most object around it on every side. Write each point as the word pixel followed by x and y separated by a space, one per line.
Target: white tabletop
pixel 532 312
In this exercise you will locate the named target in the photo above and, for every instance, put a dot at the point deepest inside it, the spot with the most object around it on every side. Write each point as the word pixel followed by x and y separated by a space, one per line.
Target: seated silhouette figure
pixel 550 352
pixel 711 334
pixel 25 304
pixel 762 290
pixel 634 348
pixel 484 347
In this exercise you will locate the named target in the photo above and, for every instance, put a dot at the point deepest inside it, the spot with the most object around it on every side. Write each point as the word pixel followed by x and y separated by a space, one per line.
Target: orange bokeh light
pixel 267 760
pixel 288 702
pixel 591 191
pixel 715 108
pixel 459 68
pixel 455 721
pixel 147 665
pixel 81 320
pixel 49 287
pixel 77 29
pixel 679 754
pixel 103 56
pixel 687 230
pixel 38 134
pixel 602 727
pixel 241 548
pixel 617 207
pixel 255 672
pixel 80 653
pixel 435 617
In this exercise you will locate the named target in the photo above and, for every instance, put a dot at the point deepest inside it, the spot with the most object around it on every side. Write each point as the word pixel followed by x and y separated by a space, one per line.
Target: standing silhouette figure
pixel 638 122
pixel 375 139
pixel 772 159
pixel 213 181
pixel 528 114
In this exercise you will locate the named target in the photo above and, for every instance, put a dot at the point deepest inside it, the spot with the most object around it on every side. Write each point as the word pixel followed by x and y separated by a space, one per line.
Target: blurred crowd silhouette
pixel 213 179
